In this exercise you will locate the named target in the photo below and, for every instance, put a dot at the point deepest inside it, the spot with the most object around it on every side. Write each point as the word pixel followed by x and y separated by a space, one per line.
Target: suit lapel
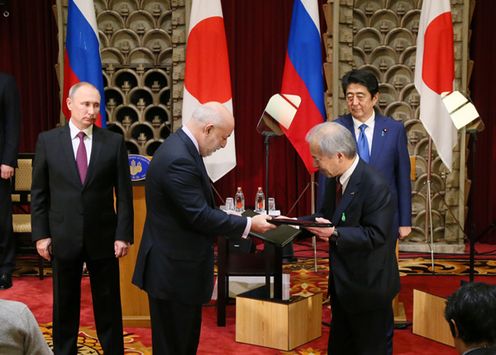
pixel 96 148
pixel 339 215
pixel 380 131
pixel 199 160
pixel 348 123
pixel 68 153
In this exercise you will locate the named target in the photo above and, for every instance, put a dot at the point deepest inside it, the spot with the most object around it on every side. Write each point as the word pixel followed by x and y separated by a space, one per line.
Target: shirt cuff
pixel 247 228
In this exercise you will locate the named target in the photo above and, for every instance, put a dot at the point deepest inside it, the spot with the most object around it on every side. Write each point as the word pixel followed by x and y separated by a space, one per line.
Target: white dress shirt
pixel 369 132
pixel 88 139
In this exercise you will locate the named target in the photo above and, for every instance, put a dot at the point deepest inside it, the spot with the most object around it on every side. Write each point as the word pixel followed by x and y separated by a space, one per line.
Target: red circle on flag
pixel 438 59
pixel 207 75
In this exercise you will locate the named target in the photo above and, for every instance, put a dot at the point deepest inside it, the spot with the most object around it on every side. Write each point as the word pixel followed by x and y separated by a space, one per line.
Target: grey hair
pixel 76 87
pixel 332 138
pixel 207 113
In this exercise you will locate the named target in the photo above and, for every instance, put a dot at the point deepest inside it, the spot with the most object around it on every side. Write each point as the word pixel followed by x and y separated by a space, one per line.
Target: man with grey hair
pixel 175 263
pixel 363 275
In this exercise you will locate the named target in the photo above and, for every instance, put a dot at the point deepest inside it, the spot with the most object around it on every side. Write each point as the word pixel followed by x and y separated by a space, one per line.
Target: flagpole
pixel 312 209
pixel 60 24
pixel 428 216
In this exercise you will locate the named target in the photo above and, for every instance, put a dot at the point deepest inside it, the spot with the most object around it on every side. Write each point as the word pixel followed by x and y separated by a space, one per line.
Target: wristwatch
pixel 335 235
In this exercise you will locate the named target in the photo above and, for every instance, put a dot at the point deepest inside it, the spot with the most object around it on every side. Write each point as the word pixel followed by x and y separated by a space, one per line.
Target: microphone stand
pixel 267 135
pixel 472 238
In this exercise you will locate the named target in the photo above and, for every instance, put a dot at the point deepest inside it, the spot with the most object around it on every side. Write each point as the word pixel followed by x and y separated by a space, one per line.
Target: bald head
pixel 211 124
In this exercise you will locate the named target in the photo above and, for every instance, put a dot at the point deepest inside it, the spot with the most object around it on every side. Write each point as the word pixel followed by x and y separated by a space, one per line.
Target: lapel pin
pixel 384 131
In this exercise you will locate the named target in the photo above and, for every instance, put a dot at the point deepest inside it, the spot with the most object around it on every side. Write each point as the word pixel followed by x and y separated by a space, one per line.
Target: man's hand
pixel 259 224
pixel 404 232
pixel 44 248
pixel 322 233
pixel 121 248
pixel 6 172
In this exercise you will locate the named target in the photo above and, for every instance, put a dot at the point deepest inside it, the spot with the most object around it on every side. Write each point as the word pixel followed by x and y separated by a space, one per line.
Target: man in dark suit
pixel 176 258
pixel 9 140
pixel 385 138
pixel 471 315
pixel 363 275
pixel 381 142
pixel 75 178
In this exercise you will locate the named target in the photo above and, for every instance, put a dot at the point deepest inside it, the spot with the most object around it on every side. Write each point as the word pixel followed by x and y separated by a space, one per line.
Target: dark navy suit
pixel 389 156
pixel 83 220
pixel 363 276
pixel 10 122
pixel 175 264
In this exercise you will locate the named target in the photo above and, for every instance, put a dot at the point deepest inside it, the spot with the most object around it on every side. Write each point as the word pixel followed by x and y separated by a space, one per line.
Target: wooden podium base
pixel 135 311
pixel 282 325
pixel 428 318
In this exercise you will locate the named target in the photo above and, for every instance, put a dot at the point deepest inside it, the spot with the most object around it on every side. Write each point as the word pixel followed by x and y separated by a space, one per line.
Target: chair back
pixel 21 184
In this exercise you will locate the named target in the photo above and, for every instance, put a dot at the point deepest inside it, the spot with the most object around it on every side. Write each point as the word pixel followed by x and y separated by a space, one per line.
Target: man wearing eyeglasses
pixel 381 142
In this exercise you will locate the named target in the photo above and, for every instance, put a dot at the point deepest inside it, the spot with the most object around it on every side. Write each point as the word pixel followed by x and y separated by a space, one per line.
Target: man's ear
pixel 68 102
pixel 208 128
pixel 453 328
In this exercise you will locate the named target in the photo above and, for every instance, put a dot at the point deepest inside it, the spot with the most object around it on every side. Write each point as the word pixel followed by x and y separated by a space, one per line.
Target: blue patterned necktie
pixel 363 144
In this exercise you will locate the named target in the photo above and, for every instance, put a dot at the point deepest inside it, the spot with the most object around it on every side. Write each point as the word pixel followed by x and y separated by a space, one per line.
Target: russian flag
pixel 303 76
pixel 82 53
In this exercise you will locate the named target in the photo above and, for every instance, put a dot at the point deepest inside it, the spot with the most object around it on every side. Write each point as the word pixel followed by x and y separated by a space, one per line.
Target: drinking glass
pixel 272 204
pixel 229 204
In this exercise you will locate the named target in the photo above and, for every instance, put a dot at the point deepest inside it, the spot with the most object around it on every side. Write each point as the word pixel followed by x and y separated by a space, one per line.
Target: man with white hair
pixel 175 263
pixel 363 275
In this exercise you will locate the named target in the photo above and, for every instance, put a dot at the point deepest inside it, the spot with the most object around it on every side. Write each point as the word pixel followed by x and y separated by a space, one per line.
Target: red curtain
pixel 28 47
pixel 483 52
pixel 257 35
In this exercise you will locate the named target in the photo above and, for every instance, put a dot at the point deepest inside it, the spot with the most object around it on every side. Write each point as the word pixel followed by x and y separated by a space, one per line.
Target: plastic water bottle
pixel 259 201
pixel 239 201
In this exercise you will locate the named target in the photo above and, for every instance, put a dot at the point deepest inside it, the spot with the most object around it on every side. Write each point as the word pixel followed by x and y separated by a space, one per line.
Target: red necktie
pixel 81 157
pixel 339 192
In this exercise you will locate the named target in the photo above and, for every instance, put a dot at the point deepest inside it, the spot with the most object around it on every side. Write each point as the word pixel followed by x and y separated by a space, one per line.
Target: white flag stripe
pixel 203 9
pixel 433 113
pixel 313 10
pixel 223 160
pixel 87 8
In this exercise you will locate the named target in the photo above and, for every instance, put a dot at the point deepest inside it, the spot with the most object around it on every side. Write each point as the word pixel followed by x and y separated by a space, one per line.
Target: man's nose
pixel 92 110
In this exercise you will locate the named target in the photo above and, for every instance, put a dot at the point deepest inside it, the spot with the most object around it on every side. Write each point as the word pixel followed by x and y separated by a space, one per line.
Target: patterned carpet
pixel 414 266
pixel 418 266
pixel 305 281
pixel 88 342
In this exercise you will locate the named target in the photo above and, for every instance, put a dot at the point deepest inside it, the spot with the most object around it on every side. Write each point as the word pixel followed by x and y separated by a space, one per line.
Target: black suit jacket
pixel 482 351
pixel 176 256
pixel 364 273
pixel 81 216
pixel 9 120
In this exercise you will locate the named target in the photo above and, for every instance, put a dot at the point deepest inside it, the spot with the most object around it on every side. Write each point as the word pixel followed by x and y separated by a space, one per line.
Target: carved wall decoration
pixel 143 53
pixel 381 35
pixel 137 49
